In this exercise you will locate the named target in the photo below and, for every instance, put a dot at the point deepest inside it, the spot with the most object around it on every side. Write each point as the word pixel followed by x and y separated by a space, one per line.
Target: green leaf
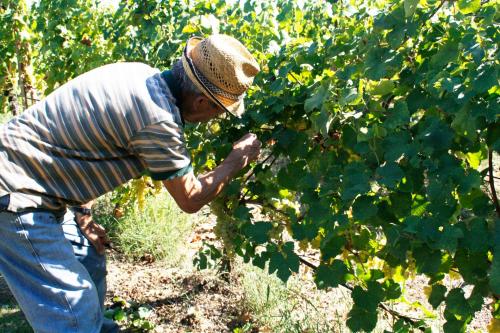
pixel 317 98
pixel 427 261
pixel 242 213
pixel 449 238
pixel 397 116
pixel 287 177
pixel 331 246
pixel 364 208
pixel 257 232
pixel 410 7
pixel 120 315
pixel 454 325
pixel 331 275
pixel 355 180
pixel 382 62
pixel 390 174
pixel 283 262
pixel 447 53
pixel 400 203
pixel 468 6
pixel 485 78
pixel 392 289
pixel 457 305
pixel 321 121
pixel 437 295
pixel 383 87
pixel 361 320
pixel 494 273
pixel 368 299
pixel 349 96
pixel 464 123
pixel 475 235
pixel 363 315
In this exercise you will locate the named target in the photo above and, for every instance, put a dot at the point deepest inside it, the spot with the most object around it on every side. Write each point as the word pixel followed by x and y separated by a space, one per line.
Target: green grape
pixel 139 187
pixel 225 229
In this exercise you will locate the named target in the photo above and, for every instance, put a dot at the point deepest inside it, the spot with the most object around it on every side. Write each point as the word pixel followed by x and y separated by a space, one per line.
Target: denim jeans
pixel 55 274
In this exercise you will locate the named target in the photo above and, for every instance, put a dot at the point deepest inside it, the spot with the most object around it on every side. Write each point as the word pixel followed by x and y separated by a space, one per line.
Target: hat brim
pixel 236 108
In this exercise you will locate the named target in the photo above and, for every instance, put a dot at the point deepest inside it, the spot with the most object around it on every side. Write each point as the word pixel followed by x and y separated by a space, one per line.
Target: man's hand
pixel 94 232
pixel 192 193
pixel 247 148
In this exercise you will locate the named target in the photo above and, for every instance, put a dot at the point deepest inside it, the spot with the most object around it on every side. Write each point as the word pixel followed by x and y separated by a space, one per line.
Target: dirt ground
pixel 182 300
pixel 179 299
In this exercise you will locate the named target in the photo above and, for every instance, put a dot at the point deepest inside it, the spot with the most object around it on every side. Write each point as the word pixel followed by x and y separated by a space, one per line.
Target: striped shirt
pixel 91 135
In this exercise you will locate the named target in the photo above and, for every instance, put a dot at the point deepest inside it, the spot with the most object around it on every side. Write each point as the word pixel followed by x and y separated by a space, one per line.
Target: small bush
pixel 294 307
pixel 158 232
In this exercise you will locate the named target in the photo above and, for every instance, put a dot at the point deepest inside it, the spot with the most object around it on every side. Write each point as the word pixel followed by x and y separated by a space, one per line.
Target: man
pixel 90 135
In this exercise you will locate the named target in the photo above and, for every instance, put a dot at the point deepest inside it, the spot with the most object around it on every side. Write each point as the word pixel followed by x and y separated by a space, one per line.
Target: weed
pixel 283 307
pixel 157 232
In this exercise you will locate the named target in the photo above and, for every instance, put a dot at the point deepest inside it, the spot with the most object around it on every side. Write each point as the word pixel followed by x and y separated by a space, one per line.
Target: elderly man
pixel 92 134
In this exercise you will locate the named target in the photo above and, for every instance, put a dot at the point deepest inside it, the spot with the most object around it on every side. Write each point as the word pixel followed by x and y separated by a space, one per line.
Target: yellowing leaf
pixel 474 159
pixel 468 6
pixel 383 87
pixel 494 325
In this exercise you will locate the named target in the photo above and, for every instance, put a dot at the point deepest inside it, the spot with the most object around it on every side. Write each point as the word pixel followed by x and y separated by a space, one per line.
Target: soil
pixel 182 300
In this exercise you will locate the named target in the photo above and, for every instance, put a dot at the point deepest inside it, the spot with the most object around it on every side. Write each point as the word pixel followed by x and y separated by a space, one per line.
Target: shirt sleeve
pixel 162 148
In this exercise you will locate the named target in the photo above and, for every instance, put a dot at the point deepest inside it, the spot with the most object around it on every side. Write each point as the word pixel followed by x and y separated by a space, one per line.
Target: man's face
pixel 198 109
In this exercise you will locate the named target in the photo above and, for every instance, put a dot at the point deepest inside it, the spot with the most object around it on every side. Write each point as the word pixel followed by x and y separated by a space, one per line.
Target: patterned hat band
pixel 216 90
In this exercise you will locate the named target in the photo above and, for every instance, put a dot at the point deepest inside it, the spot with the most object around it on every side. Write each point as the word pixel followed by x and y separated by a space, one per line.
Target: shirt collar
pixel 174 88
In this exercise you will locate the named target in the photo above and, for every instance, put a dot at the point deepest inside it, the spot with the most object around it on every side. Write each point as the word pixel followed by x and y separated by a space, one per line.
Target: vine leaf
pixel 468 6
pixel 316 99
pixel 331 275
pixel 437 295
pixel 283 262
pixel 257 232
pixel 410 7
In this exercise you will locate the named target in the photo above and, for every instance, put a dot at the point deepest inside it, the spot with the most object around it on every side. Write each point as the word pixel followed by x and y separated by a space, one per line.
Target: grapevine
pixel 380 118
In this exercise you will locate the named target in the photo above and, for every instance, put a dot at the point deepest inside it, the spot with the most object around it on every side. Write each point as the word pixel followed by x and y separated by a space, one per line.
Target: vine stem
pixel 250 174
pixel 492 182
pixel 411 321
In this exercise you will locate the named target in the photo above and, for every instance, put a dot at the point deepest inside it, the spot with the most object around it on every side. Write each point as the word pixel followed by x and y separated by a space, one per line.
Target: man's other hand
pixel 94 232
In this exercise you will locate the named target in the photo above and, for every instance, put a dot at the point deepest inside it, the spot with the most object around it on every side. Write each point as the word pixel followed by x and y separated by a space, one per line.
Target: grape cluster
pixel 226 226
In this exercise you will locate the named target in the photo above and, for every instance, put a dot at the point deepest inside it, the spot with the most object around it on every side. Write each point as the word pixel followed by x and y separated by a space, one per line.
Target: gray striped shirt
pixel 90 135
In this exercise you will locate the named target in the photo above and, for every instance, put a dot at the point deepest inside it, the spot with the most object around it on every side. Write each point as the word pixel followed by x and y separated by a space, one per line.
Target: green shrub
pixel 294 307
pixel 158 232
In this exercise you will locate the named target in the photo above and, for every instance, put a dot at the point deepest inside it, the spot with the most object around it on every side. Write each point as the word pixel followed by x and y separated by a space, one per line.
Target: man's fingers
pixel 99 246
pixel 96 242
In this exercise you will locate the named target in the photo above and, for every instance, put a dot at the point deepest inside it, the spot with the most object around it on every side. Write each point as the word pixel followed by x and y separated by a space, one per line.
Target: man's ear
pixel 201 103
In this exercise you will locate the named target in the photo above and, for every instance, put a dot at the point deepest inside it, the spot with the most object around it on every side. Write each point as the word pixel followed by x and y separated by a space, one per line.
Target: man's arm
pixel 191 193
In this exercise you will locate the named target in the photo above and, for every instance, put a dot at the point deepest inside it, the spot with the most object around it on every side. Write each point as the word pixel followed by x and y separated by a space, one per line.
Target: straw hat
pixel 222 68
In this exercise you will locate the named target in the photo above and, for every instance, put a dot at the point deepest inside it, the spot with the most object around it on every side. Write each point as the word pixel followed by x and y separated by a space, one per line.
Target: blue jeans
pixel 55 274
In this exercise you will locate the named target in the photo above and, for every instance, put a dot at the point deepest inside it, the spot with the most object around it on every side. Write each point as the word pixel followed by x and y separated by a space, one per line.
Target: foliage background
pixel 376 117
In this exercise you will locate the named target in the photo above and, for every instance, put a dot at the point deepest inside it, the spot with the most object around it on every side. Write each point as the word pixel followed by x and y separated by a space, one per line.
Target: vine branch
pixel 411 321
pixel 492 182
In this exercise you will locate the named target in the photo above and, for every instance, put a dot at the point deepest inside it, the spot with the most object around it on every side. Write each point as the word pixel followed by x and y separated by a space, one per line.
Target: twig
pixel 492 182
pixel 411 321
pixel 250 174
pixel 296 78
pixel 252 171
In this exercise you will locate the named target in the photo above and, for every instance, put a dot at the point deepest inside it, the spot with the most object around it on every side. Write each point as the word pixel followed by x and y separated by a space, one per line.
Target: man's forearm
pixel 88 204
pixel 192 193
pixel 213 182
